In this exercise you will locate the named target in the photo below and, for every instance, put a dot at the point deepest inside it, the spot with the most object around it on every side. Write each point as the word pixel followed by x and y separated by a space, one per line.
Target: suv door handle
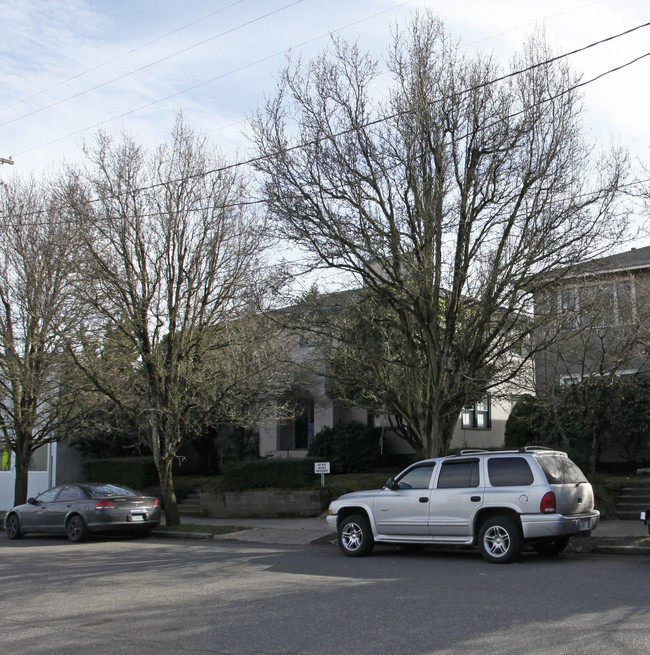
pixel 475 499
pixel 424 499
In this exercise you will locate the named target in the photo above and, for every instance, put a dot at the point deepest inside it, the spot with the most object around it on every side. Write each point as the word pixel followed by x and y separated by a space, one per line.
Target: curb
pixel 330 539
pixel 166 534
pixel 621 550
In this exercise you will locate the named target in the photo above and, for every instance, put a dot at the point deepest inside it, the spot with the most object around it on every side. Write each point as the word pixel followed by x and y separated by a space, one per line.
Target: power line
pixel 496 80
pixel 231 72
pixel 153 63
pixel 476 87
pixel 124 54
pixel 382 119
pixel 214 79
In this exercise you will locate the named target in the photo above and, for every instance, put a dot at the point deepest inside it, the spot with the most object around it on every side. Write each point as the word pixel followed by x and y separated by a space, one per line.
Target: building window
pixel 477 416
pixel 598 304
pixel 576 378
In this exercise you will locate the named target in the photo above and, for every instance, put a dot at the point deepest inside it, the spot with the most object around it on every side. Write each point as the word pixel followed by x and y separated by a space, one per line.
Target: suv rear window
pixel 560 470
pixel 509 472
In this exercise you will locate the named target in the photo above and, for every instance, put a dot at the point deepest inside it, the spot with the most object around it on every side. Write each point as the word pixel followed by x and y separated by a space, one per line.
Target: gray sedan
pixel 80 509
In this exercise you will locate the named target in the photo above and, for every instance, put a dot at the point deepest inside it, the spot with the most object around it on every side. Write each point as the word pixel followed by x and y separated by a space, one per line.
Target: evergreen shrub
pixel 268 473
pixel 349 447
pixel 134 472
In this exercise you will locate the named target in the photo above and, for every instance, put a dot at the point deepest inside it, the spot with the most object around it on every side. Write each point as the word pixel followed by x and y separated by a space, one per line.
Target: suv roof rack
pixel 532 449
pixel 471 451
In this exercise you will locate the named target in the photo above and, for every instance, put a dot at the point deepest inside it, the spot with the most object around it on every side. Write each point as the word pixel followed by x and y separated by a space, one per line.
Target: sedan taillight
pixel 548 504
pixel 156 503
pixel 105 504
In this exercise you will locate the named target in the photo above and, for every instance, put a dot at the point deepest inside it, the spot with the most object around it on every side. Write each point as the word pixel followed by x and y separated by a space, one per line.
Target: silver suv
pixel 496 500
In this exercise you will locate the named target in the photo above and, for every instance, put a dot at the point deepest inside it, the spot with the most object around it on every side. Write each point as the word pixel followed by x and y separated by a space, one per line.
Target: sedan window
pixel 110 490
pixel 68 493
pixel 48 496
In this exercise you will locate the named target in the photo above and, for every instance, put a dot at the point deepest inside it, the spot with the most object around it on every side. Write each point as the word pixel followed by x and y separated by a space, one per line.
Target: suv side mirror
pixel 391 484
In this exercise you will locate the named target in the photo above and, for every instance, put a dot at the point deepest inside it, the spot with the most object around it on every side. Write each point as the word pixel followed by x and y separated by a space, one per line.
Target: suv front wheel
pixel 355 536
pixel 500 540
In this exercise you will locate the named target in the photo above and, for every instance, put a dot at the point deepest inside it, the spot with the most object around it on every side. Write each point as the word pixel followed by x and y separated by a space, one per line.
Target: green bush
pixel 349 447
pixel 522 427
pixel 268 473
pixel 134 472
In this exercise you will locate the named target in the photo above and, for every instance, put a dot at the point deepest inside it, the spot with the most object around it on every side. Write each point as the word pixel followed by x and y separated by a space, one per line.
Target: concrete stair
pixel 190 505
pixel 634 497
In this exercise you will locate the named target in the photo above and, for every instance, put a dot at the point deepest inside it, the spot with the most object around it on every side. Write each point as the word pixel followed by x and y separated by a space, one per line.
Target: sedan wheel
pixel 500 541
pixel 13 527
pixel 355 536
pixel 76 529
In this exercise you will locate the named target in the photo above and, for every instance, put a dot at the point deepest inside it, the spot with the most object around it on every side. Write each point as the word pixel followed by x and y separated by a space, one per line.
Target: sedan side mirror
pixel 391 484
pixel 32 501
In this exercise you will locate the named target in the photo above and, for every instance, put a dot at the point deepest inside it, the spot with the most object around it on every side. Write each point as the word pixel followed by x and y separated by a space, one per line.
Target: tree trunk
pixel 172 517
pixel 435 436
pixel 20 486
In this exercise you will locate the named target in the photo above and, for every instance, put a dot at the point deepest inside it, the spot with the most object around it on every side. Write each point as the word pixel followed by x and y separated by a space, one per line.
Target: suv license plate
pixel 584 524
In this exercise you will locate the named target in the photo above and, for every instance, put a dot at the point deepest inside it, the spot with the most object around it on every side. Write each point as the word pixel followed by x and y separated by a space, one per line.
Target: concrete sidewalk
pixel 300 531
pixel 303 531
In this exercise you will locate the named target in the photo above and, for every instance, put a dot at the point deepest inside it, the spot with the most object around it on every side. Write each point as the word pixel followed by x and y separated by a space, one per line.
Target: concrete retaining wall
pixel 265 503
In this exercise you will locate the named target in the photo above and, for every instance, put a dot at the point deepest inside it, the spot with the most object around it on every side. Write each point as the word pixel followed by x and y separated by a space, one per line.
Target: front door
pixel 404 511
pixel 36 516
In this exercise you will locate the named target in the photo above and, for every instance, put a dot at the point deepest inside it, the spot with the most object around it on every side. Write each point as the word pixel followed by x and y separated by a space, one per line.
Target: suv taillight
pixel 156 503
pixel 548 504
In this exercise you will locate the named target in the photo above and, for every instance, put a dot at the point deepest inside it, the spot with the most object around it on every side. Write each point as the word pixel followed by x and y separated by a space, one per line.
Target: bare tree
pixel 172 255
pixel 452 202
pixel 38 249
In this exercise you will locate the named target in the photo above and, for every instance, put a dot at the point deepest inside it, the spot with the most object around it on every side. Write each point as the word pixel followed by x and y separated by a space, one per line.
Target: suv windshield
pixel 560 470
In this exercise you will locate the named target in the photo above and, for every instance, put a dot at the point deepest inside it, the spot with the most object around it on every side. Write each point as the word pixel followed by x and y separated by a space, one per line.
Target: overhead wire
pixel 213 79
pixel 261 201
pixel 153 63
pixel 121 56
pixel 471 89
pixel 580 84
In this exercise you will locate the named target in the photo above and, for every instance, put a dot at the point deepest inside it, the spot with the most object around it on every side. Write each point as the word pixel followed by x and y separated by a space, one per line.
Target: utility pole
pixel 7 161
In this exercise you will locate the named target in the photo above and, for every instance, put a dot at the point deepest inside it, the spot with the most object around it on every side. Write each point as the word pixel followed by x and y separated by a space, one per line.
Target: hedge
pixel 350 447
pixel 134 472
pixel 269 473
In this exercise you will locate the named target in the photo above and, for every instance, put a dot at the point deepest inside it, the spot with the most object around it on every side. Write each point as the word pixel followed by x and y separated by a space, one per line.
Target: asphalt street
pixel 156 596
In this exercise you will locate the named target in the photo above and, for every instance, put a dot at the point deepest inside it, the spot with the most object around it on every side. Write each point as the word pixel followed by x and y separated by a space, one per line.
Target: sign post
pixel 322 468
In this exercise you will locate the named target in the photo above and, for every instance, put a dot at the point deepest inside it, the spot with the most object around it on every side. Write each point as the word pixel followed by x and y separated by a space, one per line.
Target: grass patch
pixel 359 481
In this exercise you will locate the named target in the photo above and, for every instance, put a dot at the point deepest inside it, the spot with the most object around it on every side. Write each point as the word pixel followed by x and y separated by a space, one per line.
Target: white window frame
pixel 470 417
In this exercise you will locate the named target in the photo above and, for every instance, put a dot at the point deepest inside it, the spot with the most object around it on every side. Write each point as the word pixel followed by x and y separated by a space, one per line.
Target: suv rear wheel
pixel 500 540
pixel 355 536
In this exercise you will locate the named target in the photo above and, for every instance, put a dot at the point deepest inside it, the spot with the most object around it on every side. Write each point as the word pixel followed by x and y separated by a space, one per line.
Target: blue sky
pixel 70 66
